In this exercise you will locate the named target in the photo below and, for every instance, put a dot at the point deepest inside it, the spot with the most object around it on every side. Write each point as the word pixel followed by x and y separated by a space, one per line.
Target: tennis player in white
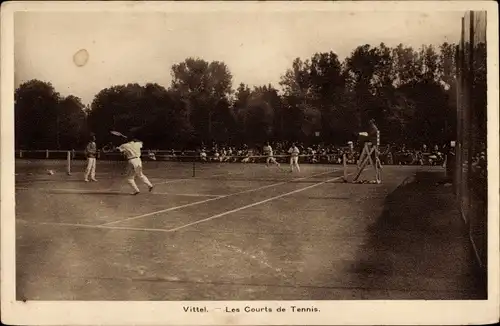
pixel 132 151
pixel 91 153
pixel 294 157
pixel 268 150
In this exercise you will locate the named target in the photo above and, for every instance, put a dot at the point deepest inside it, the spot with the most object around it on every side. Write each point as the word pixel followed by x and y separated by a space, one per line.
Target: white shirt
pixel 268 150
pixel 91 150
pixel 294 151
pixel 131 149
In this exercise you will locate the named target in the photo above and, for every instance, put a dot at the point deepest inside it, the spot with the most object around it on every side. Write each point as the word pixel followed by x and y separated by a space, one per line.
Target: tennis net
pixel 68 162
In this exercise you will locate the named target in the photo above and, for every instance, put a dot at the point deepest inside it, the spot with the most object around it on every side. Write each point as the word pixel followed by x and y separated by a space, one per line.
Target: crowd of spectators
pixel 315 154
pixel 331 154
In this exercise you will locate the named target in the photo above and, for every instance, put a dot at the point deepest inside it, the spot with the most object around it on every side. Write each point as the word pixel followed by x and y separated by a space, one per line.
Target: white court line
pixel 184 194
pixel 212 199
pixel 29 182
pixel 254 204
pixel 100 191
pixel 204 177
pixel 88 226
pixel 73 190
pixel 23 185
pixel 106 227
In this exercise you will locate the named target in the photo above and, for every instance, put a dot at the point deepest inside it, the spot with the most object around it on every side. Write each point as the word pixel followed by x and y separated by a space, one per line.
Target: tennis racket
pixel 117 133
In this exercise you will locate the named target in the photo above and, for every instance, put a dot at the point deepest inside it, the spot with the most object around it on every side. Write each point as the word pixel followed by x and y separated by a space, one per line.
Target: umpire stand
pixel 369 157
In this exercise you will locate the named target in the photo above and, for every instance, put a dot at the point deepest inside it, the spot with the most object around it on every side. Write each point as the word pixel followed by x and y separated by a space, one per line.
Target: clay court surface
pixel 237 232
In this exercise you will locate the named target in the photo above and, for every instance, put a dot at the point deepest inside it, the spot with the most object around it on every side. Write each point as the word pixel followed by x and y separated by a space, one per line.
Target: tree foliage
pixel 44 119
pixel 408 91
pixel 206 86
pixel 152 113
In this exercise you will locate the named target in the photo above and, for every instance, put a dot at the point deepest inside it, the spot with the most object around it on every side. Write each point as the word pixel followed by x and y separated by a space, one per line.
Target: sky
pixel 258 47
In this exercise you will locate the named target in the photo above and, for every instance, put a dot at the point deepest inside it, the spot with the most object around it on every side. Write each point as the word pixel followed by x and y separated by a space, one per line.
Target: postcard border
pixel 161 313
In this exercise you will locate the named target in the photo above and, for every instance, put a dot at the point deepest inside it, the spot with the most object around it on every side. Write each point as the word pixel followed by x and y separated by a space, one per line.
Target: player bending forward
pixel 132 151
pixel 294 157
pixel 268 150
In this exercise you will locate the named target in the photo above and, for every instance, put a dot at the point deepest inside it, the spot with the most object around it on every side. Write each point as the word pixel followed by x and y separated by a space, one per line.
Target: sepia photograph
pixel 276 159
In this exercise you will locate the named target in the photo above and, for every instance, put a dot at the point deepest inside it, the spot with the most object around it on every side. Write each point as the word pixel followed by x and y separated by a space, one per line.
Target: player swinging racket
pixel 132 151
pixel 91 153
pixel 268 150
pixel 294 157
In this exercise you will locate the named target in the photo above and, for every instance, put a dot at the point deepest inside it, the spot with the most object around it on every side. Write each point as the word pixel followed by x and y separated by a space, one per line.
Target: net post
pixel 73 154
pixel 68 163
pixel 344 162
pixel 20 154
pixel 46 153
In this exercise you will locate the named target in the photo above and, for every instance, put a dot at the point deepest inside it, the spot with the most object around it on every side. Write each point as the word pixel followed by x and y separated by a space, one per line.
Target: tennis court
pixel 231 232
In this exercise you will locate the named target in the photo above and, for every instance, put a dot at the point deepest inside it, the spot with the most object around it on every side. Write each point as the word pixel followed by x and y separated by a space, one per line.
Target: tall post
pixel 470 105
pixel 68 164
pixel 378 164
pixel 459 145
pixel 344 162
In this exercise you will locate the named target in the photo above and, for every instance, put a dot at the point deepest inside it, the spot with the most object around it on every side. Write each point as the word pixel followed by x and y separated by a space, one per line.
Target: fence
pixel 387 156
pixel 471 168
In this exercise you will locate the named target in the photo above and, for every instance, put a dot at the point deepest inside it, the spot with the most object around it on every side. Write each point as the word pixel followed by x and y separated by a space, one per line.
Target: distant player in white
pixel 294 157
pixel 132 151
pixel 91 153
pixel 268 150
pixel 203 155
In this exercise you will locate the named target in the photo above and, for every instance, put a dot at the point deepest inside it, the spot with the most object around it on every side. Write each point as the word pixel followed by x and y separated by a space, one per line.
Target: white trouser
pixel 90 170
pixel 294 161
pixel 271 159
pixel 135 170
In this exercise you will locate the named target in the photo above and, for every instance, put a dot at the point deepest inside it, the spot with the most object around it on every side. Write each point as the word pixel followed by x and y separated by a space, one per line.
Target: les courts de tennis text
pixel 251 309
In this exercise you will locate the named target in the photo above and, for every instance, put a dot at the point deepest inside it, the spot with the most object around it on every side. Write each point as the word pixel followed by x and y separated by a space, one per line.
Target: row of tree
pixel 409 92
pixel 46 120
